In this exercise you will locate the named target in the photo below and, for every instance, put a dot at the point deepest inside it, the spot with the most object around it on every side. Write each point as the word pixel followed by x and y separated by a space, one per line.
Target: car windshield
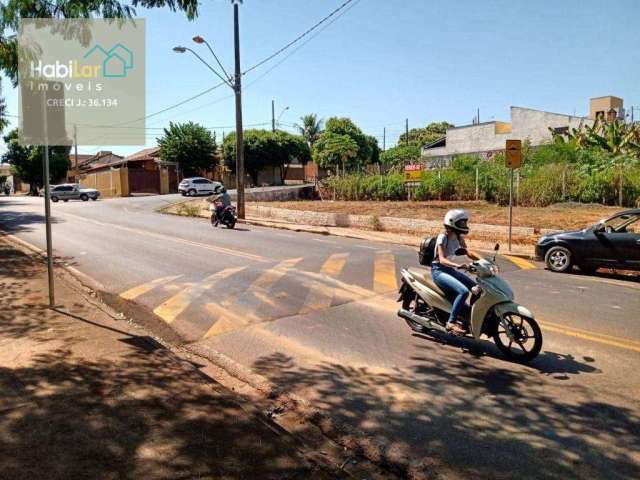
pixel 622 223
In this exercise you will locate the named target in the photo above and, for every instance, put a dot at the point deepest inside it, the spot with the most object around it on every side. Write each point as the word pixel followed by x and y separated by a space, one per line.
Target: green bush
pixel 589 176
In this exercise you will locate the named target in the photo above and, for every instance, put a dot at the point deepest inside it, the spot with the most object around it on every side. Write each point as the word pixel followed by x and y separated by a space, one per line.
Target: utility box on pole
pixel 513 154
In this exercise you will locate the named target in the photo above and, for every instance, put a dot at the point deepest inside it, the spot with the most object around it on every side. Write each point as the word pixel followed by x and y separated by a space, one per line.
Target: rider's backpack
pixel 427 251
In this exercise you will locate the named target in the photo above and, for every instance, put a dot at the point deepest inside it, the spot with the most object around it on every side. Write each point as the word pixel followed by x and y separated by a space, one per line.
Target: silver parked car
pixel 197 186
pixel 73 191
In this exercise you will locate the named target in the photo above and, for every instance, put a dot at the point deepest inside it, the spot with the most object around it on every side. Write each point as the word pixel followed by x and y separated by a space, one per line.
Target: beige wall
pixel 110 183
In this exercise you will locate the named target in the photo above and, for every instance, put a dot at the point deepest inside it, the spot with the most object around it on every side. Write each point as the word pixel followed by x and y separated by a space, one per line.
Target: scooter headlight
pixel 494 269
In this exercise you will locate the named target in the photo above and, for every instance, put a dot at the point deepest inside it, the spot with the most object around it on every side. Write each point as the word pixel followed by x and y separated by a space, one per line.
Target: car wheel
pixel 559 259
pixel 84 197
pixel 54 199
pixel 192 193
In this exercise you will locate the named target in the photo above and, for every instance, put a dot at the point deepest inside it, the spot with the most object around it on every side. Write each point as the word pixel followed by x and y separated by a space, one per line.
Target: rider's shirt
pixel 450 247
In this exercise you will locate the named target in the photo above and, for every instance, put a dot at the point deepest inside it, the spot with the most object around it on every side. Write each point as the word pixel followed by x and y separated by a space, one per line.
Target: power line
pixel 298 38
pixel 299 47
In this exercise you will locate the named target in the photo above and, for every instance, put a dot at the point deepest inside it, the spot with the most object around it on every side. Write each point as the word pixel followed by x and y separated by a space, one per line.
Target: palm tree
pixel 310 128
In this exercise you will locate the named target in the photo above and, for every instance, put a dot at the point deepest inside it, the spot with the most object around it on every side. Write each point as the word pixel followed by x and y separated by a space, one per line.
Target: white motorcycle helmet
pixel 457 220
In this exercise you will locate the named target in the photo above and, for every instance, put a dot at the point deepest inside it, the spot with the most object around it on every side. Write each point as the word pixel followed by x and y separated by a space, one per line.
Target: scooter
pixel 227 217
pixel 493 312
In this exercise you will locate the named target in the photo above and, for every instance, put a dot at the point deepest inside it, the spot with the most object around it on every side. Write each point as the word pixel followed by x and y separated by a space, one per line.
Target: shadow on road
pixel 474 418
pixel 16 222
pixel 73 407
pixel 561 366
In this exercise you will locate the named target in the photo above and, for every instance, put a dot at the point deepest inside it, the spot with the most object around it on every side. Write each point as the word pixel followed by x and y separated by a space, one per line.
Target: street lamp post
pixel 274 121
pixel 236 85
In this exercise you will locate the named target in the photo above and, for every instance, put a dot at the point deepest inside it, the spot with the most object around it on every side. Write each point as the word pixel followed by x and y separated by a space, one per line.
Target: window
pixel 561 130
pixel 621 224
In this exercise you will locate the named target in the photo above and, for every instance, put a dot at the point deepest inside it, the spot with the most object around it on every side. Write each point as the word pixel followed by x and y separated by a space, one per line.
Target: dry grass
pixel 565 217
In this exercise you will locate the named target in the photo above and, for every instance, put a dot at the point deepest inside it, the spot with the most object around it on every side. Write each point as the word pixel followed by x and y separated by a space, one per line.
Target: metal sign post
pixel 513 160
pixel 47 203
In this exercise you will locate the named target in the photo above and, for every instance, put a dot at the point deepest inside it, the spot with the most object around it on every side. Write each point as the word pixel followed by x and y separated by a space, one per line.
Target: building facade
pixel 488 138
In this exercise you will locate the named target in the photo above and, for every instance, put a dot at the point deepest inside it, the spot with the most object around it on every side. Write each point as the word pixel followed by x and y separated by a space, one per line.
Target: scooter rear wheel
pixel 525 341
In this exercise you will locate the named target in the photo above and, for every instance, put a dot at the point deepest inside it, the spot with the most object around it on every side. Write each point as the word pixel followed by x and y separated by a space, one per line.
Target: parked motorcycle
pixel 227 217
pixel 493 312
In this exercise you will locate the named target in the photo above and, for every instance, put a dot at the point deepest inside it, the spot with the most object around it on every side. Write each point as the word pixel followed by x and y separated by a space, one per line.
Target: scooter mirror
pixel 497 247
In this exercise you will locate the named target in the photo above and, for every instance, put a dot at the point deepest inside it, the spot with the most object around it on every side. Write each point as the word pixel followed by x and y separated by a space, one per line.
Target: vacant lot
pixel 564 217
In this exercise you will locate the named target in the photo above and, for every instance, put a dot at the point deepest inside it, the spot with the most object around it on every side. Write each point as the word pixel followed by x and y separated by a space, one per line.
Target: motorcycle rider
pixel 221 199
pixel 446 273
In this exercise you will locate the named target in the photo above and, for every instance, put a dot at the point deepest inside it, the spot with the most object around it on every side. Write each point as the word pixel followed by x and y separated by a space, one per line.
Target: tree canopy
pixel 12 11
pixel 400 155
pixel 426 135
pixel 190 145
pixel 367 150
pixel 263 148
pixel 335 150
pixel 26 161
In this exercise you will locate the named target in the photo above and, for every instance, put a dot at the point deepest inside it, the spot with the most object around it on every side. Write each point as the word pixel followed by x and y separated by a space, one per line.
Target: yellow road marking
pixel 271 276
pixel 334 264
pixel 320 295
pixel 177 304
pixel 135 292
pixel 227 320
pixel 520 262
pixel 384 275
pixel 591 336
pixel 215 248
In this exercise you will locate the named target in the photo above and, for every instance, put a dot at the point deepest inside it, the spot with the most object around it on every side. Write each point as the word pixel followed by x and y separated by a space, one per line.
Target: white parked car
pixel 197 186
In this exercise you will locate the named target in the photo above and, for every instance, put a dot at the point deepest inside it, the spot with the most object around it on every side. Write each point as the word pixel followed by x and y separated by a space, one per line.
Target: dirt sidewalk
pixel 87 396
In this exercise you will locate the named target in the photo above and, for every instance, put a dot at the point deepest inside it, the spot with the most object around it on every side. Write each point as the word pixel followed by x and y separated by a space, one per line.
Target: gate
pixel 144 181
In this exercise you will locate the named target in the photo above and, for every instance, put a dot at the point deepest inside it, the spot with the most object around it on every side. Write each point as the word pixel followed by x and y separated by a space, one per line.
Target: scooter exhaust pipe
pixel 407 315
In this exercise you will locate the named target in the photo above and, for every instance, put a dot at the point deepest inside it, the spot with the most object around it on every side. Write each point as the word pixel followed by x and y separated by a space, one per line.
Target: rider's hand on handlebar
pixel 464 266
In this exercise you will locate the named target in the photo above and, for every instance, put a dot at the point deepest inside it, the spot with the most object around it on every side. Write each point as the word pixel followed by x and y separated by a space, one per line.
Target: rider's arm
pixel 442 258
pixel 470 253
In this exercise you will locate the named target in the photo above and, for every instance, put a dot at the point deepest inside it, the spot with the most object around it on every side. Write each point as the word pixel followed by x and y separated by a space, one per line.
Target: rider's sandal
pixel 455 329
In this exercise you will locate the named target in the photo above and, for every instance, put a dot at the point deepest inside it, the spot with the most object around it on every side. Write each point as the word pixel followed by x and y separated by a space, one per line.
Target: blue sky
pixel 387 60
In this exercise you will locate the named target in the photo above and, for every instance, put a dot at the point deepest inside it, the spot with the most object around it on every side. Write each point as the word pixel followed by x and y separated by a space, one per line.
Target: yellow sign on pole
pixel 413 172
pixel 513 154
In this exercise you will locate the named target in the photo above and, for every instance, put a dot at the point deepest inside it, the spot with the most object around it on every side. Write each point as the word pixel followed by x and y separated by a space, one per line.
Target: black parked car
pixel 611 243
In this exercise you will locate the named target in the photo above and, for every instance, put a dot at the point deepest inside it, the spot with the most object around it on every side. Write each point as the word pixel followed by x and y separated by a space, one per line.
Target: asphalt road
pixel 316 314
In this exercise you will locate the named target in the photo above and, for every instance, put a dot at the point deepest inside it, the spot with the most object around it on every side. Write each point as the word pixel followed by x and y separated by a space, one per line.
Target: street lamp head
pixel 198 39
pixel 179 49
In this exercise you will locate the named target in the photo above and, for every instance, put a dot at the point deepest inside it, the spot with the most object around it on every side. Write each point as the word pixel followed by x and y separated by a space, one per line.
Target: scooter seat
pixel 423 275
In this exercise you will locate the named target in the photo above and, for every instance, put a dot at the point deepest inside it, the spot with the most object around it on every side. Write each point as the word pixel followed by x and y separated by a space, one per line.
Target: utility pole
pixel 478 117
pixel 406 131
pixel 239 133
pixel 75 148
pixel 273 116
pixel 384 139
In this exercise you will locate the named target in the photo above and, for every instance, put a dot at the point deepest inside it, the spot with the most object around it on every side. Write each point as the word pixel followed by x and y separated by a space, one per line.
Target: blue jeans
pixel 455 284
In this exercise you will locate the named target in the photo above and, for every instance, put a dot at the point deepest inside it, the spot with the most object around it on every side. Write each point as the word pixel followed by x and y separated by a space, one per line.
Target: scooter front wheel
pixel 518 337
pixel 213 220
